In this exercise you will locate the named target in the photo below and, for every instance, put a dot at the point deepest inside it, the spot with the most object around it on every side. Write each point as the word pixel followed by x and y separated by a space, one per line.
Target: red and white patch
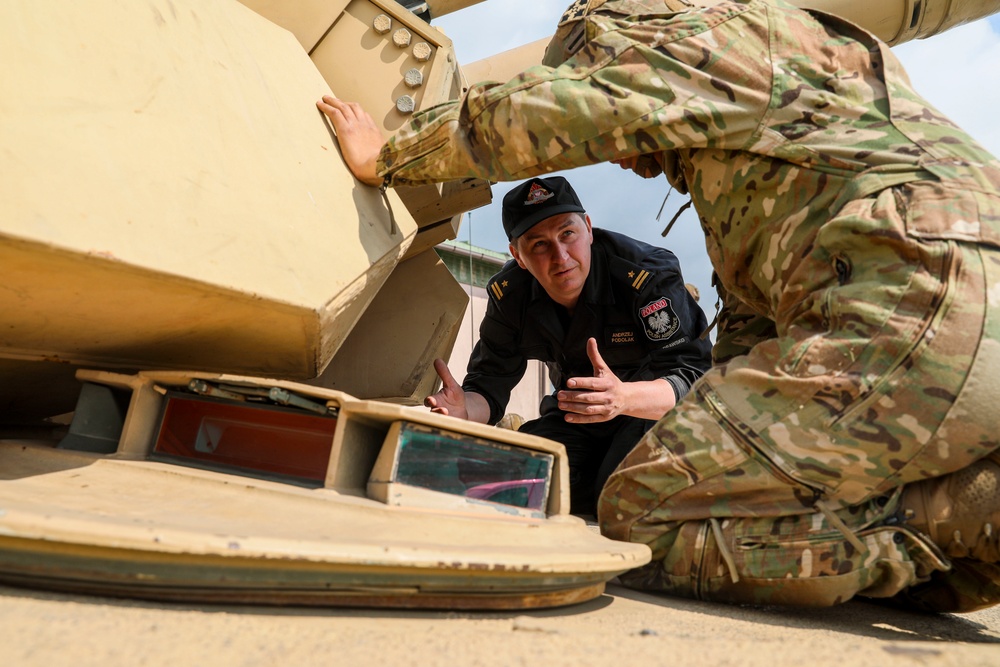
pixel 659 319
pixel 537 194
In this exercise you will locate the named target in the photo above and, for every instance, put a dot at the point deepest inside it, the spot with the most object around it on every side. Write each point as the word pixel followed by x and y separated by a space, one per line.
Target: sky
pixel 958 71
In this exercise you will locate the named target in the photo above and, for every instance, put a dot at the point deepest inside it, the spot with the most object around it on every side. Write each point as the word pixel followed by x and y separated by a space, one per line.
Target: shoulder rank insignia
pixel 497 287
pixel 638 278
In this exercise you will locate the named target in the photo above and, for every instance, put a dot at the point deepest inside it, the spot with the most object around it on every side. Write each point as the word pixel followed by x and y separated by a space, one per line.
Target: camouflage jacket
pixel 770 117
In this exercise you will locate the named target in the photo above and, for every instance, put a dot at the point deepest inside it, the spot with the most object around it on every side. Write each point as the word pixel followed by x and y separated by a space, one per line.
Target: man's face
pixel 556 252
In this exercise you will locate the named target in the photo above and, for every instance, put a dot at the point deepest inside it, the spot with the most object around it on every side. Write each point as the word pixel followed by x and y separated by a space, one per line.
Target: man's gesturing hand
pixel 593 399
pixel 360 138
pixel 451 399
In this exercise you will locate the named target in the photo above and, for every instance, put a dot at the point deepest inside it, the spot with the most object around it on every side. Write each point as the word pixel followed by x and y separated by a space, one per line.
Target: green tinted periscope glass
pixel 474 468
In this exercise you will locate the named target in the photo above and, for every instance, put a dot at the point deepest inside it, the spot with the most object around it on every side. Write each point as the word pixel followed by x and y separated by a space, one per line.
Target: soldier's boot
pixel 969 585
pixel 959 512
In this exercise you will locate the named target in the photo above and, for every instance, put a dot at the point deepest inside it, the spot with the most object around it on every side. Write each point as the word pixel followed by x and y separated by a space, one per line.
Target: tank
pixel 213 339
pixel 274 253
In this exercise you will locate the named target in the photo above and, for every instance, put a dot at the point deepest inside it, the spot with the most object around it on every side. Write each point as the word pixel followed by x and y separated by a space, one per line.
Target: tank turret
pixel 176 201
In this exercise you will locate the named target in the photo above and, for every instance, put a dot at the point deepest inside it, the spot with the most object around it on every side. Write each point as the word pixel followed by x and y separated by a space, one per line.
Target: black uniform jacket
pixel 634 303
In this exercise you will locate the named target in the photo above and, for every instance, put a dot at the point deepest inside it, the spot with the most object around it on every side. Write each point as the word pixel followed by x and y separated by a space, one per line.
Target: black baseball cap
pixel 535 200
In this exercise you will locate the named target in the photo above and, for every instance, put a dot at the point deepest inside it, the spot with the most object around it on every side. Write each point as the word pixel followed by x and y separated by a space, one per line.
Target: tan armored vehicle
pixel 212 337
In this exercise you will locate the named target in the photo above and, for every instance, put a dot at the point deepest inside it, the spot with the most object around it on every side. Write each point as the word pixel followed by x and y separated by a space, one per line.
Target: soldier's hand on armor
pixel 451 399
pixel 359 137
pixel 593 399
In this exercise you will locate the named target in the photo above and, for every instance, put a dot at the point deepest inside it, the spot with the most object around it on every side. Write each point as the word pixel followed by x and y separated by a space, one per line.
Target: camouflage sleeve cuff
pixel 382 165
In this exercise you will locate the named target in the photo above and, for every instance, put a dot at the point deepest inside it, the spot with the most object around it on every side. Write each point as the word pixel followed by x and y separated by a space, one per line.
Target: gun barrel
pixel 441 7
pixel 898 21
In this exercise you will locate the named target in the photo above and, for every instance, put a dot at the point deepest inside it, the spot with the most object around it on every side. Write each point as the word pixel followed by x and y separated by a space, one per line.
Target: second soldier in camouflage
pixel 854 232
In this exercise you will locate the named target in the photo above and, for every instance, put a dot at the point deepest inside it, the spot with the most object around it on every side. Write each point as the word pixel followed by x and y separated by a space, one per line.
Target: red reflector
pixel 252 437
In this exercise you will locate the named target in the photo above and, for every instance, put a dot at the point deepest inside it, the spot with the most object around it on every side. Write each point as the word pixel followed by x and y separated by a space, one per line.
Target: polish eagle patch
pixel 659 319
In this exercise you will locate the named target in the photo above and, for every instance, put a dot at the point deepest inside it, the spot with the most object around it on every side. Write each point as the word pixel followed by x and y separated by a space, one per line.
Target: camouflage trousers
pixel 777 480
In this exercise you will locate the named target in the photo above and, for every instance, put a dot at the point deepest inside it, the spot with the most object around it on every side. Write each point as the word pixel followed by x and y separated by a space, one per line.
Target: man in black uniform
pixel 611 318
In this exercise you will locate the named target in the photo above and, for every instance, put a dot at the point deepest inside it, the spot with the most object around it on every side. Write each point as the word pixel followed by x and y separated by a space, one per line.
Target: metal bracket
pixel 269 394
pixel 418 7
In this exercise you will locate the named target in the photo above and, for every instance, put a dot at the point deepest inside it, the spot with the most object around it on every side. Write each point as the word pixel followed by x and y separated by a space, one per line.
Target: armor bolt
pixel 422 51
pixel 382 24
pixel 413 78
pixel 405 104
pixel 401 38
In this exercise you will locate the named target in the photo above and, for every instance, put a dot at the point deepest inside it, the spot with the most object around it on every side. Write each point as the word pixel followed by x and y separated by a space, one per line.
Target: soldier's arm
pixel 497 363
pixel 615 99
pixel 454 401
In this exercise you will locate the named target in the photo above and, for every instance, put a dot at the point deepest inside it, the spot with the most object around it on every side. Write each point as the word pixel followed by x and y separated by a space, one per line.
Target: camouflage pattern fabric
pixel 855 234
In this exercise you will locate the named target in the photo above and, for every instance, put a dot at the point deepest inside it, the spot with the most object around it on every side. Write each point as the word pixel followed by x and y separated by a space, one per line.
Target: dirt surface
pixel 620 627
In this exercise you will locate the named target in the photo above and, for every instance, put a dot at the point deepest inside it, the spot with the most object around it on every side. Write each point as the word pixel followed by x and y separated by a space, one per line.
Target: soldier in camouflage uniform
pixel 845 441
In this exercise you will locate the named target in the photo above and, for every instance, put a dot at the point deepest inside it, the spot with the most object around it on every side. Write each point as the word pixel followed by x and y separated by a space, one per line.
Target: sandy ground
pixel 620 627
